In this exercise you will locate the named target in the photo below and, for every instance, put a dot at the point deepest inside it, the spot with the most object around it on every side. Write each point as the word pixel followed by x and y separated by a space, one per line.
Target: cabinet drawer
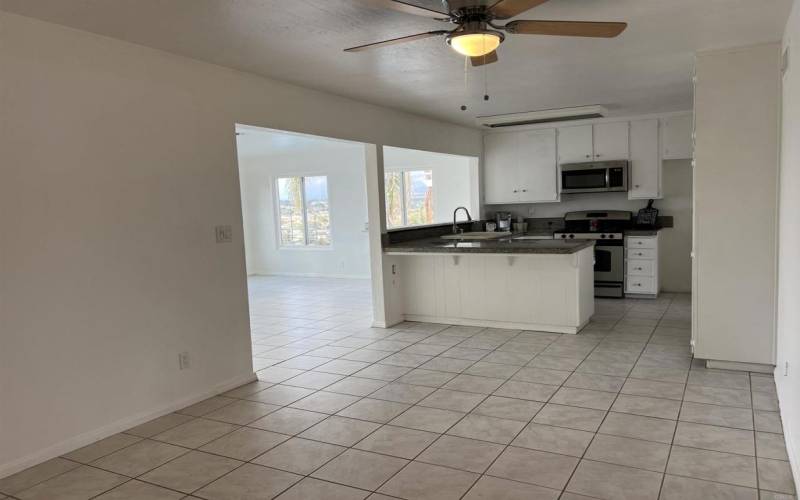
pixel 640 284
pixel 641 268
pixel 633 242
pixel 641 253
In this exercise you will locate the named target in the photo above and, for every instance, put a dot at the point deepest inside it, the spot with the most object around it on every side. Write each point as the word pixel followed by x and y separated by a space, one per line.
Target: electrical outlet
pixel 183 360
pixel 224 234
pixel 531 211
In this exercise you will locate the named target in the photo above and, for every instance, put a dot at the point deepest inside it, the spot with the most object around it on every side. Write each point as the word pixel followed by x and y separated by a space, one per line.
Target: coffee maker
pixel 503 220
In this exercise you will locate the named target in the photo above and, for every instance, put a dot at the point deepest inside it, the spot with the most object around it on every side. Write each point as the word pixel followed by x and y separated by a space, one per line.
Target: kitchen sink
pixel 477 235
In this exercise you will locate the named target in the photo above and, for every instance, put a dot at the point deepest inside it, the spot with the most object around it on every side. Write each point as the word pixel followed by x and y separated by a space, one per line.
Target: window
pixel 409 198
pixel 304 217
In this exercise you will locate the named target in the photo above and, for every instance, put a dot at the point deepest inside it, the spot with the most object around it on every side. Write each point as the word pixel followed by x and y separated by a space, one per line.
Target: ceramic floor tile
pixel 427 419
pixel 636 453
pixel 397 441
pixel 342 367
pixel 765 401
pixel 652 388
pixel 526 390
pixel 325 402
pixel 496 370
pixel 137 490
pixel 241 412
pixel 770 445
pixel 555 362
pixel 402 393
pixel 716 466
pixel 299 456
pixel 460 453
pixel 420 481
pixel 768 421
pixel 684 488
pixel 139 457
pixel 191 471
pixel 536 467
pixel 102 448
pixel 724 416
pixel 638 427
pixel 424 377
pixel 387 373
pixel 554 439
pixel 595 382
pixel 159 425
pixel 81 483
pixel 573 417
pixel 584 398
pixel 374 410
pixel 288 421
pixel 614 482
pixel 249 482
pixel 648 407
pixel 445 363
pixel 446 399
pixel 195 433
pixel 719 396
pixel 340 430
pixel 245 443
pixel 280 395
pixel 474 383
pixel 360 469
pixel 356 386
pixel 496 430
pixel 495 488
pixel 508 408
pixel 711 437
pixel 310 488
pixel 206 406
pixel 775 475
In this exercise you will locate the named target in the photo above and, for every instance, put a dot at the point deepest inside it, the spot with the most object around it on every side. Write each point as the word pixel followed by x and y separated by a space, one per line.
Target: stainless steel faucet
pixel 456 229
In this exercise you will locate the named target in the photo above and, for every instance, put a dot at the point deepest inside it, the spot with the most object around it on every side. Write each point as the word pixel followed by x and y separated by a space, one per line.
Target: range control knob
pixel 602 236
pixel 611 236
pixel 571 235
pixel 563 235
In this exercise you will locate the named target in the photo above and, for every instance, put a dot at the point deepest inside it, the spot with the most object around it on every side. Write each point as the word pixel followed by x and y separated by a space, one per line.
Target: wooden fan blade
pixel 408 8
pixel 489 58
pixel 394 41
pixel 566 28
pixel 505 9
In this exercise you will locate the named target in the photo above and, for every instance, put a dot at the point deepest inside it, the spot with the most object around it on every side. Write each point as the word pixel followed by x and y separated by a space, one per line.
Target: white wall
pixel 676 242
pixel 737 115
pixel 117 162
pixel 261 161
pixel 788 342
pixel 455 179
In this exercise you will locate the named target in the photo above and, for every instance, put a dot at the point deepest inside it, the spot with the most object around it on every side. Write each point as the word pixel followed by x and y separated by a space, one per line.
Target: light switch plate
pixel 224 234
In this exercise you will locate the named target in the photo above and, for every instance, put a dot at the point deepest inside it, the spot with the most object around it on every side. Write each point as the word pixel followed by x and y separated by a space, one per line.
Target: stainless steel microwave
pixel 594 177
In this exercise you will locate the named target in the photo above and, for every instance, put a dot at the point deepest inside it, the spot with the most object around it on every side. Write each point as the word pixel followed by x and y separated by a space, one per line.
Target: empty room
pixel 399 249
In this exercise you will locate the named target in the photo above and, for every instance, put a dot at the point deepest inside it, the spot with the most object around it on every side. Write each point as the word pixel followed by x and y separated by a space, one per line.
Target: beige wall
pixel 676 242
pixel 117 162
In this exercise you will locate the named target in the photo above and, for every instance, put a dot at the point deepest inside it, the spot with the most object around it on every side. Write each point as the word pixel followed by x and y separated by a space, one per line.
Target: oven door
pixel 609 262
pixel 588 180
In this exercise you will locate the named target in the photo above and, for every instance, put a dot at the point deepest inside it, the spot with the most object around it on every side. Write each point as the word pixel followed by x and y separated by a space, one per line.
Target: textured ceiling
pixel 646 69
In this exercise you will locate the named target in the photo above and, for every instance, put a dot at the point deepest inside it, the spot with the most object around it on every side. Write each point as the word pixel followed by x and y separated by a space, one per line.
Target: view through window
pixel 304 211
pixel 409 198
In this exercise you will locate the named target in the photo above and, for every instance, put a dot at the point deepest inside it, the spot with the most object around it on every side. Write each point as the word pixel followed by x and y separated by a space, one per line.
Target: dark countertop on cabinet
pixel 499 246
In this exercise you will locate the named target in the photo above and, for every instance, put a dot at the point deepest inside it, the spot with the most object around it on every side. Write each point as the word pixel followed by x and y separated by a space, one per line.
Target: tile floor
pixel 423 411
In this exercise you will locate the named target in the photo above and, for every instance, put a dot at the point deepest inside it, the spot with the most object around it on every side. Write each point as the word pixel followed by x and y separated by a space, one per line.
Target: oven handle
pixel 608 178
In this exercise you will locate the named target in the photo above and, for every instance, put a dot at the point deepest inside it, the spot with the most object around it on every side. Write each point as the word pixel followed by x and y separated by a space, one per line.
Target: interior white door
pixel 575 144
pixel 501 167
pixel 645 166
pixel 538 166
pixel 611 141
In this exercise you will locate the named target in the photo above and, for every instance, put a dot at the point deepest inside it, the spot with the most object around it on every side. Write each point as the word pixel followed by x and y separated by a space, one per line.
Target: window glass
pixel 409 198
pixel 393 184
pixel 318 214
pixel 304 211
pixel 290 203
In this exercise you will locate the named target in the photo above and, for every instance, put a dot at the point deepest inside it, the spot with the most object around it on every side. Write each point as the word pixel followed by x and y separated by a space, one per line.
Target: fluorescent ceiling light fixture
pixel 543 116
pixel 475 44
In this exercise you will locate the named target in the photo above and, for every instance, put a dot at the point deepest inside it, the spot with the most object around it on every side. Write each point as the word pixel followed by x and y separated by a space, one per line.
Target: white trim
pixel 126 423
pixel 740 366
pixel 494 324
pixel 788 430
pixel 315 275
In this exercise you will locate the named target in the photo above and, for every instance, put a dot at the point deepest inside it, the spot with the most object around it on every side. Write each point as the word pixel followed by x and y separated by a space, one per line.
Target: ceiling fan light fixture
pixel 475 44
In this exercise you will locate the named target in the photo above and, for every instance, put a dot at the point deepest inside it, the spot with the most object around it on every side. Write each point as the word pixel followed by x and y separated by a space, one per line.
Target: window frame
pixel 306 246
pixel 403 171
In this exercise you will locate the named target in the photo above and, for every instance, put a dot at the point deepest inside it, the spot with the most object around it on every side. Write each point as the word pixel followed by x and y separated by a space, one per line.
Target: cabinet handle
pixel 637 268
pixel 588 156
pixel 638 242
pixel 515 190
pixel 637 284
pixel 598 156
pixel 636 186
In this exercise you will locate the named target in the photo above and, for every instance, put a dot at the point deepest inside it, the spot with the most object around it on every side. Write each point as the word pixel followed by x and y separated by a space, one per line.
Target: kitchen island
pixel 543 285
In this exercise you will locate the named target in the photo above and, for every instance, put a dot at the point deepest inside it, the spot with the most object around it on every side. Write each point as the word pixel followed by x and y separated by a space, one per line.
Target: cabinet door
pixel 538 168
pixel 676 137
pixel 645 171
pixel 501 168
pixel 611 141
pixel 575 144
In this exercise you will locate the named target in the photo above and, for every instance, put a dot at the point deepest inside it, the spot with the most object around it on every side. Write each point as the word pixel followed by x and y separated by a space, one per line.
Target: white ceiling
pixel 646 69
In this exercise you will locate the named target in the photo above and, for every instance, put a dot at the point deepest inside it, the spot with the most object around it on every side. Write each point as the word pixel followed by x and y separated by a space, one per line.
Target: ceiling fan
pixel 477 37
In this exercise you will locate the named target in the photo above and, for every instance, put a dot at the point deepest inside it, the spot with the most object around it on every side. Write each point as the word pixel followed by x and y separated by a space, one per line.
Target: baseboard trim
pixel 90 437
pixel 740 366
pixel 316 275
pixel 494 324
pixel 789 430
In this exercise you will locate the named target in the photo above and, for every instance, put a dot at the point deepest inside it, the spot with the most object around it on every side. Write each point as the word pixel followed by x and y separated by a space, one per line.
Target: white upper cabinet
pixel 521 167
pixel 676 137
pixel 538 179
pixel 500 167
pixel 575 144
pixel 644 181
pixel 611 141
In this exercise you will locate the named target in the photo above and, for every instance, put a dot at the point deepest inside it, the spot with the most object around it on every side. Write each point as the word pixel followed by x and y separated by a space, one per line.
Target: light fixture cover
pixel 475 44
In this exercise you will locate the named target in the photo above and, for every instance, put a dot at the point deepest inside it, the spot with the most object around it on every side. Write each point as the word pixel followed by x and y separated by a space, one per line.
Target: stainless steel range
pixel 607 229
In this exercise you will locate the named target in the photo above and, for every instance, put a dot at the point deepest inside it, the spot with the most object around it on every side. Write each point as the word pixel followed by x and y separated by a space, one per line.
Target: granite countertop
pixel 499 246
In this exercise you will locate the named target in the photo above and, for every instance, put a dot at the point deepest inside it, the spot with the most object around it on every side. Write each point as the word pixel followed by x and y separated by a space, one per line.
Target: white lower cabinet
pixel 641 266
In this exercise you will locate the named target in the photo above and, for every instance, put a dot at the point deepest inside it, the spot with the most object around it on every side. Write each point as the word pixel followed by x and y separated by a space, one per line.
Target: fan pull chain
pixel 466 74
